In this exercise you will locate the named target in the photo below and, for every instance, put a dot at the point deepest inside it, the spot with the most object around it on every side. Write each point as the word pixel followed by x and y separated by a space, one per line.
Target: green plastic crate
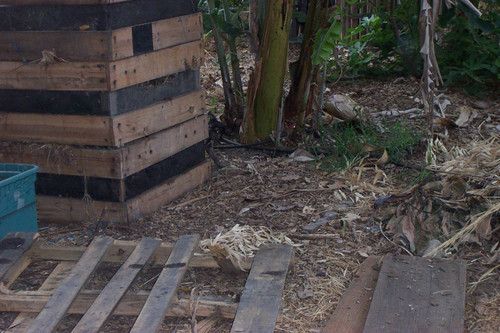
pixel 17 198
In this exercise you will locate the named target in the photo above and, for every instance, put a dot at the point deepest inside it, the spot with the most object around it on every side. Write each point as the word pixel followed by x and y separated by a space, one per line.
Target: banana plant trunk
pixel 265 89
pixel 299 101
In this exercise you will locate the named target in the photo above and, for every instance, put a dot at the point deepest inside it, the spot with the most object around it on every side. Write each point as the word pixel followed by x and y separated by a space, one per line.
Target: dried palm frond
pixel 241 242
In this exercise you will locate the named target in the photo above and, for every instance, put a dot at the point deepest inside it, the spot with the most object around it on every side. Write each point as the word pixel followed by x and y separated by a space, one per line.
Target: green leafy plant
pixel 469 51
pixel 347 143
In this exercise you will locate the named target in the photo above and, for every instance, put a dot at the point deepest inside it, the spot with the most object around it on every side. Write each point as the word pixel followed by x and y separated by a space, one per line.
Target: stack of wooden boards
pixel 403 294
pixel 104 96
pixel 64 290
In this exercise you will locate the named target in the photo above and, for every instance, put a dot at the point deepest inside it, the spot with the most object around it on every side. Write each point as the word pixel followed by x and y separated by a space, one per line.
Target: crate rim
pixel 30 169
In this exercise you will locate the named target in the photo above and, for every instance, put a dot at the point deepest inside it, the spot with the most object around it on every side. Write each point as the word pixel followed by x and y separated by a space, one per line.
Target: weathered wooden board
pixel 100 76
pixel 116 190
pixel 350 314
pixel 90 15
pixel 415 294
pixel 24 319
pixel 57 306
pixel 261 299
pixel 100 130
pixel 113 163
pixel 58 2
pixel 100 103
pixel 101 45
pixel 165 287
pixel 119 252
pixel 131 304
pixel 69 210
pixel 115 290
pixel 12 246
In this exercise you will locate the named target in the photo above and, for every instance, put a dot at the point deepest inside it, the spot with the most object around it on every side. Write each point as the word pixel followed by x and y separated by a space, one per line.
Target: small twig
pixel 189 202
pixel 193 306
pixel 390 241
pixel 314 236
pixel 96 229
pixel 266 219
pixel 67 231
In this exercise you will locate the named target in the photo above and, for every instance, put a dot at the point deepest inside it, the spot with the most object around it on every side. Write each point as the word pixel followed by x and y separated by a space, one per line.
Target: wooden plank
pixel 90 15
pixel 97 45
pixel 93 76
pixel 143 153
pixel 177 30
pixel 58 76
pixel 415 294
pixel 69 210
pixel 165 287
pixel 261 299
pixel 68 45
pixel 115 163
pixel 145 67
pixel 25 319
pixel 15 270
pixel 64 159
pixel 115 290
pixel 12 246
pixel 134 125
pixel 150 201
pixel 116 190
pixel 57 306
pixel 350 314
pixel 131 305
pixel 118 253
pixel 57 128
pixel 100 103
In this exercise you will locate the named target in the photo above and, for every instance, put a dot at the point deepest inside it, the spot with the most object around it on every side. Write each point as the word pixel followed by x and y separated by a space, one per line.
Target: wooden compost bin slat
pixel 71 210
pixel 101 45
pixel 100 76
pixel 101 130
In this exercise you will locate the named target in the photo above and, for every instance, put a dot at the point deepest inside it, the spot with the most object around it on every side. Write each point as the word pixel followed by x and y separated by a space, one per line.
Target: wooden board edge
pixel 150 201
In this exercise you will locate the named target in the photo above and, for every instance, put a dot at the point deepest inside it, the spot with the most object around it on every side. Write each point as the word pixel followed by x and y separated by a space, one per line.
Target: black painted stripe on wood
pixel 109 189
pixel 142 38
pixel 91 17
pixel 97 103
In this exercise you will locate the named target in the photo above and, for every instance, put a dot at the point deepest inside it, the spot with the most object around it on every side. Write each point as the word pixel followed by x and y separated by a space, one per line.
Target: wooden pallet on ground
pixel 63 292
pixel 403 294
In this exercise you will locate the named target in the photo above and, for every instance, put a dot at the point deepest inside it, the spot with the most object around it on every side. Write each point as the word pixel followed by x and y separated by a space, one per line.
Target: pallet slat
pixel 25 319
pixel 415 294
pixel 261 299
pixel 12 246
pixel 165 288
pixel 350 314
pixel 57 306
pixel 115 290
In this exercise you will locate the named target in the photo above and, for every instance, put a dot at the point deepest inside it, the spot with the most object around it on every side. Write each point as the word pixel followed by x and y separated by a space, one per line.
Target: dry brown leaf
pixel 409 230
pixel 467 115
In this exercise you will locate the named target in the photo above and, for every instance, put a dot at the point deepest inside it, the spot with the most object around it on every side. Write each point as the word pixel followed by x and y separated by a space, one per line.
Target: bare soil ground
pixel 259 188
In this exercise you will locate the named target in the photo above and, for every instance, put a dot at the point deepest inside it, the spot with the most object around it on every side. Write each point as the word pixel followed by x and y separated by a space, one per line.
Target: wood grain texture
pixel 150 201
pixel 112 163
pixel 350 314
pixel 58 2
pixel 119 251
pixel 99 130
pixel 25 319
pixel 12 247
pixel 165 287
pixel 416 294
pixel 177 30
pixel 261 299
pixel 100 103
pixel 131 305
pixel 145 67
pixel 57 306
pixel 100 76
pixel 115 290
pixel 69 210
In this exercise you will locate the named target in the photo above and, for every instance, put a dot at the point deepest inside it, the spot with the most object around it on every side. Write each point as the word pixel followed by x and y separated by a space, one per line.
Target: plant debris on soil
pixel 450 208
